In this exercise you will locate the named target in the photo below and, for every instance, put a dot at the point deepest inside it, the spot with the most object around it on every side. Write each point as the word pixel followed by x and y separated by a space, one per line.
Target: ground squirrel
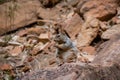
pixel 66 50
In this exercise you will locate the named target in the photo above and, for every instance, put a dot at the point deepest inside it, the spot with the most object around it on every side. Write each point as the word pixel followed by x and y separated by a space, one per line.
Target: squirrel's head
pixel 60 38
pixel 60 34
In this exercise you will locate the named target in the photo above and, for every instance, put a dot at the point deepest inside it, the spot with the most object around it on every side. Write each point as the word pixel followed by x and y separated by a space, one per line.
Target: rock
pixel 35 30
pixel 89 58
pixel 102 10
pixel 109 33
pixel 57 13
pixel 4 43
pixel 116 18
pixel 14 43
pixel 34 51
pixel 71 76
pixel 22 33
pixel 72 3
pixel 44 36
pixel 89 50
pixel 15 38
pixel 83 59
pixel 17 14
pixel 48 47
pixel 49 14
pixel 5 67
pixel 15 51
pixel 76 72
pixel 109 52
pixel 104 26
pixel 88 32
pixel 21 39
pixel 49 3
pixel 73 25
pixel 103 67
pixel 42 61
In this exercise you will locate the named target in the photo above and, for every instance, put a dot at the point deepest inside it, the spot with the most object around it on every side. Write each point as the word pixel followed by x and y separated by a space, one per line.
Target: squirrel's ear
pixel 61 29
pixel 56 28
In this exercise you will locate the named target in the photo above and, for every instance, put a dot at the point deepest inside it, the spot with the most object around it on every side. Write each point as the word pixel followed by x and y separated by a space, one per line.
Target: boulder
pixel 88 32
pixel 17 14
pixel 103 10
pixel 73 25
pixel 106 66
pixel 109 52
pixel 109 33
